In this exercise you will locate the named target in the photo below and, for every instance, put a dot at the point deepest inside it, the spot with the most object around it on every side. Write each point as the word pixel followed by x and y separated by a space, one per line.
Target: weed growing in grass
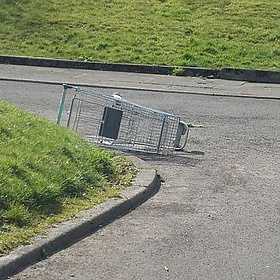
pixel 48 174
pixel 177 71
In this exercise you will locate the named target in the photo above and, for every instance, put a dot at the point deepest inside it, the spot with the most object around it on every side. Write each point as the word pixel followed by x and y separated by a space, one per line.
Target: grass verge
pixel 202 33
pixel 48 174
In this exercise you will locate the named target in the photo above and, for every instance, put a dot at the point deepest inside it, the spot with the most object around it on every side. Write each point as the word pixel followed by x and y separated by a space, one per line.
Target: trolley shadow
pixel 187 159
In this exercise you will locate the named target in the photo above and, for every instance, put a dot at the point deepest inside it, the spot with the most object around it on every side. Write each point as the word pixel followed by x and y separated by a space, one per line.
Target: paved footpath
pixel 216 216
pixel 140 81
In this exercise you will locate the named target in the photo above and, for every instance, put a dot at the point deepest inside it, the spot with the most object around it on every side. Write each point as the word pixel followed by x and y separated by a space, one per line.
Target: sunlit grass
pixel 204 33
pixel 48 174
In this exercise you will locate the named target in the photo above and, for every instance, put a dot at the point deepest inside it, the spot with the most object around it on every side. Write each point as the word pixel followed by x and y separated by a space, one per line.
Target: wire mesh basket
pixel 114 122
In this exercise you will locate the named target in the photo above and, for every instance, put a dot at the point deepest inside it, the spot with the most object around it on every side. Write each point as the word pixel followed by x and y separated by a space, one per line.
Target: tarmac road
pixel 217 216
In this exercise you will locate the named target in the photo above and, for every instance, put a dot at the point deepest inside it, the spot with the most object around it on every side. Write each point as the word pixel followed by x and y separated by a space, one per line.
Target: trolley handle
pixel 182 131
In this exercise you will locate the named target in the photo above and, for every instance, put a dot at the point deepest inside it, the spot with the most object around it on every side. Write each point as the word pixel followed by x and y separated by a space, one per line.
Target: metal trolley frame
pixel 114 122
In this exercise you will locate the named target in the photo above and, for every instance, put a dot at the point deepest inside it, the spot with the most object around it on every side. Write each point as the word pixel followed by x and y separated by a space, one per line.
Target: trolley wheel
pixel 181 136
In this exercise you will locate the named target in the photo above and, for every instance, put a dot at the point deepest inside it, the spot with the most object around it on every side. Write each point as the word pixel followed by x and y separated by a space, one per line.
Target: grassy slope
pixel 208 33
pixel 48 173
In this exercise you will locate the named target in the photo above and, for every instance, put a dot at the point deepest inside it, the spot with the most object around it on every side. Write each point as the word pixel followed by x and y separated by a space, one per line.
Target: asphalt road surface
pixel 216 216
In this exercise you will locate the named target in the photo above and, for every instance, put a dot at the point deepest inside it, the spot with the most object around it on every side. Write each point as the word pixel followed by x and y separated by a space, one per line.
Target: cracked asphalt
pixel 217 213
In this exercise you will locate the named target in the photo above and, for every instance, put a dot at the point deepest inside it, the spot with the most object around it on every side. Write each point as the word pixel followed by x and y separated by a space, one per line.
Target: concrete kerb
pixel 66 233
pixel 119 67
pixel 259 76
pixel 262 76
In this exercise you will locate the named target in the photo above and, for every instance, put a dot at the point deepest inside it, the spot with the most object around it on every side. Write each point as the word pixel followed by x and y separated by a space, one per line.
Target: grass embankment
pixel 48 174
pixel 204 33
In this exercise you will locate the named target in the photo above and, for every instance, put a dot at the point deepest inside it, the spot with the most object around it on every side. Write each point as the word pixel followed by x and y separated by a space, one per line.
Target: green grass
pixel 48 174
pixel 203 33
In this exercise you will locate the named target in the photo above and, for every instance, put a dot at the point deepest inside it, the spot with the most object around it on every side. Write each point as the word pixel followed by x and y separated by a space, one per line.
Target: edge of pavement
pixel 250 75
pixel 64 234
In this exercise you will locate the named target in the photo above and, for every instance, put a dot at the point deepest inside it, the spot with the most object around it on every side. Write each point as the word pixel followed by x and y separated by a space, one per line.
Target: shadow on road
pixel 190 158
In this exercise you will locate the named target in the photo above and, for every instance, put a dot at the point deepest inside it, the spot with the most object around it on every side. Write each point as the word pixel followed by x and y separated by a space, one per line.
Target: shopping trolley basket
pixel 114 122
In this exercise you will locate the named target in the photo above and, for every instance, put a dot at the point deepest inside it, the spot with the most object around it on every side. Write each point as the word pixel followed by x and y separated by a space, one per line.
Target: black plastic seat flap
pixel 110 124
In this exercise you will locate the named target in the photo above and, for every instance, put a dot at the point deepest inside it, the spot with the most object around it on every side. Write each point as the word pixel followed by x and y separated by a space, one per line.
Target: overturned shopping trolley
pixel 114 122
